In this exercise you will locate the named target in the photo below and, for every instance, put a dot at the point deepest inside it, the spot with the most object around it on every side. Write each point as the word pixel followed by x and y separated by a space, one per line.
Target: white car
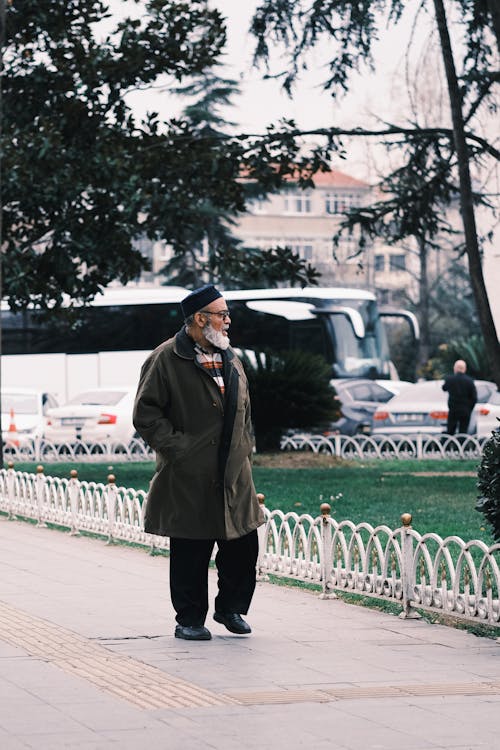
pixel 423 408
pixel 23 414
pixel 488 416
pixel 94 416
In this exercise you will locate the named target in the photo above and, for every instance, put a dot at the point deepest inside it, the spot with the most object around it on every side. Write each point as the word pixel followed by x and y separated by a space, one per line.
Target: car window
pixel 48 402
pixel 20 403
pixel 98 398
pixel 494 398
pixel 484 392
pixel 362 392
pixel 378 393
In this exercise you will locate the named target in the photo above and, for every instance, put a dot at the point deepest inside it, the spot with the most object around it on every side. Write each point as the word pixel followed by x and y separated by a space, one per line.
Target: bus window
pixel 310 336
pixel 97 329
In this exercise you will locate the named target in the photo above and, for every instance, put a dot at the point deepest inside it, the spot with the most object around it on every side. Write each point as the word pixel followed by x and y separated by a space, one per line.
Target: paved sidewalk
pixel 88 660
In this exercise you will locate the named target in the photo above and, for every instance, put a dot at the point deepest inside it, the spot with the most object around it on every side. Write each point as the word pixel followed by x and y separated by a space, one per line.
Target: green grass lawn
pixel 440 495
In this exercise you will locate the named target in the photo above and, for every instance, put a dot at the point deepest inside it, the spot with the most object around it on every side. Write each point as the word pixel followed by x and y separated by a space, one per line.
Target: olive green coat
pixel 203 487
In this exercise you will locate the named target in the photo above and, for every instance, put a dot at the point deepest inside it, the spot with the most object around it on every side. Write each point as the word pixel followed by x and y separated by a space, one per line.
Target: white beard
pixel 216 338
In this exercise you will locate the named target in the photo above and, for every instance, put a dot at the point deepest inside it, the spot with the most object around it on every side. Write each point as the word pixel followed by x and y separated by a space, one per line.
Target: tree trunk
pixel 466 198
pixel 2 45
pixel 423 305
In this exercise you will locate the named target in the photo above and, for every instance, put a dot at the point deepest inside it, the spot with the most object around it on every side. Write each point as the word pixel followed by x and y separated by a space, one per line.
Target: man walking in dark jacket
pixel 462 398
pixel 193 408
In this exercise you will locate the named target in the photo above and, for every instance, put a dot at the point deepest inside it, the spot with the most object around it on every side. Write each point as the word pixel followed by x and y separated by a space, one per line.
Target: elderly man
pixel 462 398
pixel 192 407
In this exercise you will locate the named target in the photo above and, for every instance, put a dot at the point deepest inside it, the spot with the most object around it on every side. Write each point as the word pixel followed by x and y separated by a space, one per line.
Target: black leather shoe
pixel 192 632
pixel 233 622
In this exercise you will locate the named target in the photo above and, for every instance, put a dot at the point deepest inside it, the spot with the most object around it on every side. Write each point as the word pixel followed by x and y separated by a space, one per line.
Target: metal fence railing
pixel 417 571
pixel 342 446
pixel 364 447
pixel 43 451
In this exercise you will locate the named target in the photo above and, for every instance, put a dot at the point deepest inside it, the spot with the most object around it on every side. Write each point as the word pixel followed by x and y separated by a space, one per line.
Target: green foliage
pixel 81 178
pixel 489 484
pixel 472 350
pixel 402 349
pixel 287 390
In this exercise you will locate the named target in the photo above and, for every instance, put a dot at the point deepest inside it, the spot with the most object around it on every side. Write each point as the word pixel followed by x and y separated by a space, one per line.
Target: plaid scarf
pixel 212 363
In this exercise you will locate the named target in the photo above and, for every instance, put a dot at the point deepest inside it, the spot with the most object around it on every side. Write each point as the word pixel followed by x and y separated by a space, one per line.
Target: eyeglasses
pixel 223 314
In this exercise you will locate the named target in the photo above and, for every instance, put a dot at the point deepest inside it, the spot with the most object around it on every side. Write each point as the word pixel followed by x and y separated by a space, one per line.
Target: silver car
pixel 423 407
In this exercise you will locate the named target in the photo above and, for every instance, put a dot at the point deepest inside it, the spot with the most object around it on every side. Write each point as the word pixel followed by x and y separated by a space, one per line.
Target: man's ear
pixel 199 319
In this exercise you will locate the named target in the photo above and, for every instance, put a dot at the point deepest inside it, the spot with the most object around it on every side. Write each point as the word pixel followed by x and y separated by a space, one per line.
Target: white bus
pixel 106 343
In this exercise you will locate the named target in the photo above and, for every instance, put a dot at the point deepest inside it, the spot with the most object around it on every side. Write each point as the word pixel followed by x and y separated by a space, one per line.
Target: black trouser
pixel 458 418
pixel 236 566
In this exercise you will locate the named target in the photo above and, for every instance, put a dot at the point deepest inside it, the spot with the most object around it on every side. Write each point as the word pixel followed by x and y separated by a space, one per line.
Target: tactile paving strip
pixel 353 693
pixel 149 688
pixel 136 682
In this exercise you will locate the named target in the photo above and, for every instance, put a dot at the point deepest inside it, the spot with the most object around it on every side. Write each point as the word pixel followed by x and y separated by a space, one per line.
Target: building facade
pixel 307 222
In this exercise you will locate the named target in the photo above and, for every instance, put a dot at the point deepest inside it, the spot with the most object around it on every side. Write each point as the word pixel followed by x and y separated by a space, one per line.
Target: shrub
pixel 471 349
pixel 288 390
pixel 489 483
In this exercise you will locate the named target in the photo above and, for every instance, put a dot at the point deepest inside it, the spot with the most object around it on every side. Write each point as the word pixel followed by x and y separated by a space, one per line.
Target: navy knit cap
pixel 198 299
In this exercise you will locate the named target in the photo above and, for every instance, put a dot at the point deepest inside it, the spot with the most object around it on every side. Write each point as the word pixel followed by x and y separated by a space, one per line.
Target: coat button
pixel 213 442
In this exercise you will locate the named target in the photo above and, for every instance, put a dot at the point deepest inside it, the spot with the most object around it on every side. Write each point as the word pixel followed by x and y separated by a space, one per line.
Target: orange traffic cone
pixel 12 437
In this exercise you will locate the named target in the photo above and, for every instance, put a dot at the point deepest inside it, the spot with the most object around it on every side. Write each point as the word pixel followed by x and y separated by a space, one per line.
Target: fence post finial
pixel 262 536
pixel 326 552
pixel 40 493
pixel 11 490
pixel 408 612
pixel 74 490
pixel 111 507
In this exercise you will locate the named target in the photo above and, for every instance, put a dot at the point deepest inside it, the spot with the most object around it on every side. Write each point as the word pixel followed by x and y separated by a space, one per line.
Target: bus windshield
pixel 355 355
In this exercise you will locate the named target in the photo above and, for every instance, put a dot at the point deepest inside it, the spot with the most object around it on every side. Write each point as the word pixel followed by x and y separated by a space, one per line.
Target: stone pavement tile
pixel 8 742
pixel 261 727
pixel 85 740
pixel 8 651
pixel 40 719
pixel 73 690
pixel 110 716
pixel 31 673
pixel 485 713
pixel 423 722
pixel 11 695
pixel 305 725
pixel 162 739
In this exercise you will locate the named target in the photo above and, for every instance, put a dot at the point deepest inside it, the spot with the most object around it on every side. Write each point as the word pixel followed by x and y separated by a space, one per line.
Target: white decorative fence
pixel 416 446
pixel 343 446
pixel 43 451
pixel 449 576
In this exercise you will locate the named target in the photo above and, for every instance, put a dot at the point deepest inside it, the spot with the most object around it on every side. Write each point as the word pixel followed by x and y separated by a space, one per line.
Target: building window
pixel 303 248
pixel 380 263
pixel 258 206
pixel 397 262
pixel 297 204
pixel 339 203
pixel 162 250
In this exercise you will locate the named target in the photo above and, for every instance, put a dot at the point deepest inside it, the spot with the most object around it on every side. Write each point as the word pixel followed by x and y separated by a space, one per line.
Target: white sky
pixel 263 101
